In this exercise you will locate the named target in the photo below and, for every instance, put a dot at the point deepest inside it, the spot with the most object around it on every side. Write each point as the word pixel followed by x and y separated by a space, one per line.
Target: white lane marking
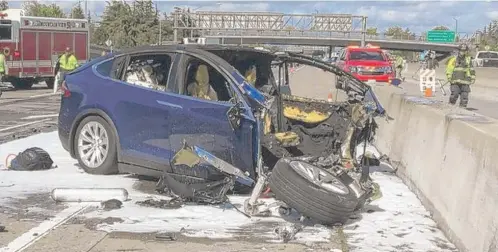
pixel 39 116
pixel 23 125
pixel 29 238
pixel 41 95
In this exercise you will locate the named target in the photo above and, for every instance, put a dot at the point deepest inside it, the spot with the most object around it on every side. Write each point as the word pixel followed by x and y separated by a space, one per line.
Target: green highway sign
pixel 441 36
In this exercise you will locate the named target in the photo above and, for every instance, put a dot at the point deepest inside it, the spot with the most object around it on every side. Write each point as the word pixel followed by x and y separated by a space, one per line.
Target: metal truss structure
pixel 264 21
pixel 276 24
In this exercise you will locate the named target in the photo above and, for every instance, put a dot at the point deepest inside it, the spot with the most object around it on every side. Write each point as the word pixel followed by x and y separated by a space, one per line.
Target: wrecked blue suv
pixel 186 115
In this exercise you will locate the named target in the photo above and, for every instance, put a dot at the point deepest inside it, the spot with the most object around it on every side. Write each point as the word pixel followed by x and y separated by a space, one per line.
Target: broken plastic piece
pixel 174 203
pixel 111 204
pixel 89 194
pixel 166 236
pixel 288 138
pixel 288 233
pixel 224 166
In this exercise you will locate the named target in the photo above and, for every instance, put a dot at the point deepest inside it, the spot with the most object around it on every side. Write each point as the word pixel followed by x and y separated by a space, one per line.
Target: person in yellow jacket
pixel 3 68
pixel 461 75
pixel 67 62
pixel 399 65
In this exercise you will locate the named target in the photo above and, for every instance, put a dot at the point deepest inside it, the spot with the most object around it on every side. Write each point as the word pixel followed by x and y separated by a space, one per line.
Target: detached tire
pixel 316 202
pixel 93 132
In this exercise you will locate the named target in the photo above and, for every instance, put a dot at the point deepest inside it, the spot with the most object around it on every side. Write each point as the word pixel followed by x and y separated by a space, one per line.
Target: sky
pixel 418 16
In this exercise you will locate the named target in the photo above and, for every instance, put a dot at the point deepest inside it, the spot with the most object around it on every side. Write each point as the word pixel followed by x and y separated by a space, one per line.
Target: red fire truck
pixel 32 46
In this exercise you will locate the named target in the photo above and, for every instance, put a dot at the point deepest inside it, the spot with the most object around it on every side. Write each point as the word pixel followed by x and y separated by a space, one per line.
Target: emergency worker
pixel 68 62
pixel 399 65
pixel 3 67
pixel 461 75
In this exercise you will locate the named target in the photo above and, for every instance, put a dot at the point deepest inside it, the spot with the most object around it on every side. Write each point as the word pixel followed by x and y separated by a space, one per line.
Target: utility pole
pixel 363 31
pixel 160 42
pixel 456 28
pixel 175 25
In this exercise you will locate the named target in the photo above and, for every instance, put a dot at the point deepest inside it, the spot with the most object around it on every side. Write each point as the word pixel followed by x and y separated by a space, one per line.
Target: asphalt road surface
pixel 27 112
pixel 483 98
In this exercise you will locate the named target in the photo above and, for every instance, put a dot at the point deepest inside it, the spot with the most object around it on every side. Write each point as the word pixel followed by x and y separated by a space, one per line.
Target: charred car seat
pixel 201 88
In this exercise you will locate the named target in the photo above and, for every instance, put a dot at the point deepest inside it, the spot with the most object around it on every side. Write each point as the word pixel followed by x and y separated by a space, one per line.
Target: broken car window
pixel 204 82
pixel 150 71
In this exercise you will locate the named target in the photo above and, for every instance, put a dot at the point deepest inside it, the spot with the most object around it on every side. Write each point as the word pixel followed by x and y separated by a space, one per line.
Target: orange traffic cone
pixel 428 92
pixel 329 97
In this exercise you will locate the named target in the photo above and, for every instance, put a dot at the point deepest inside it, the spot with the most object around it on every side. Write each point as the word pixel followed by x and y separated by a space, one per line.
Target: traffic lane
pixel 10 94
pixel 484 89
pixel 25 117
pixel 398 219
pixel 315 83
pixel 482 101
pixel 485 76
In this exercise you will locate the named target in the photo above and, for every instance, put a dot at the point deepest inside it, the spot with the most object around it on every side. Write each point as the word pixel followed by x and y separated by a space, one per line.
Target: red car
pixel 367 64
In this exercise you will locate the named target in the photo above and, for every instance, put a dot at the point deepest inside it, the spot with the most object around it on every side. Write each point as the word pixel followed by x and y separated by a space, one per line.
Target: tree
pixel 440 28
pixel 372 31
pixel 131 24
pixel 115 25
pixel 396 32
pixel 33 8
pixel 4 5
pixel 77 12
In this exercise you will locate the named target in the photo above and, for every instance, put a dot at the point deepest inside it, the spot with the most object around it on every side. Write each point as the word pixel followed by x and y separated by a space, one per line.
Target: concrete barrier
pixel 449 158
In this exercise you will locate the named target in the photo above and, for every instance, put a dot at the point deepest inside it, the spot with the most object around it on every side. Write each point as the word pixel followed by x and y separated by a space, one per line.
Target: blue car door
pixel 142 119
pixel 205 123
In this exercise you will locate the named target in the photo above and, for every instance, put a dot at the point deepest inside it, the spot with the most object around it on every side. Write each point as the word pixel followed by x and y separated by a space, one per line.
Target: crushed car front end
pixel 306 149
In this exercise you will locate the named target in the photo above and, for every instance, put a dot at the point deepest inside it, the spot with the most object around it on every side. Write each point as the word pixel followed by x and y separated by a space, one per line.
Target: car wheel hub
pixel 93 144
pixel 319 177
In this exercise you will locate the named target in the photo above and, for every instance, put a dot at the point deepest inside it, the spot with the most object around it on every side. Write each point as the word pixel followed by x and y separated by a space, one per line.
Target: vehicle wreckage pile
pixel 307 159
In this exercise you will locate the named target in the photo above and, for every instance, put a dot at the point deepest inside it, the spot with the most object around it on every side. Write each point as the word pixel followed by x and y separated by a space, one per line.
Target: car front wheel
pixel 95 146
pixel 312 191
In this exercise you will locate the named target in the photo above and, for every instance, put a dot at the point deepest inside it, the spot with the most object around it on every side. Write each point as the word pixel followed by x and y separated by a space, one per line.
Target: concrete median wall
pixel 449 157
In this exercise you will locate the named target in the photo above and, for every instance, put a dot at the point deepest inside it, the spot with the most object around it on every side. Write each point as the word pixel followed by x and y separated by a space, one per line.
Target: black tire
pixel 324 206
pixel 50 82
pixel 22 83
pixel 110 164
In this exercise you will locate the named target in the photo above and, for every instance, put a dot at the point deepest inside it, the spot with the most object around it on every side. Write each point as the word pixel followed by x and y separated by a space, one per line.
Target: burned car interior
pixel 149 71
pixel 304 149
